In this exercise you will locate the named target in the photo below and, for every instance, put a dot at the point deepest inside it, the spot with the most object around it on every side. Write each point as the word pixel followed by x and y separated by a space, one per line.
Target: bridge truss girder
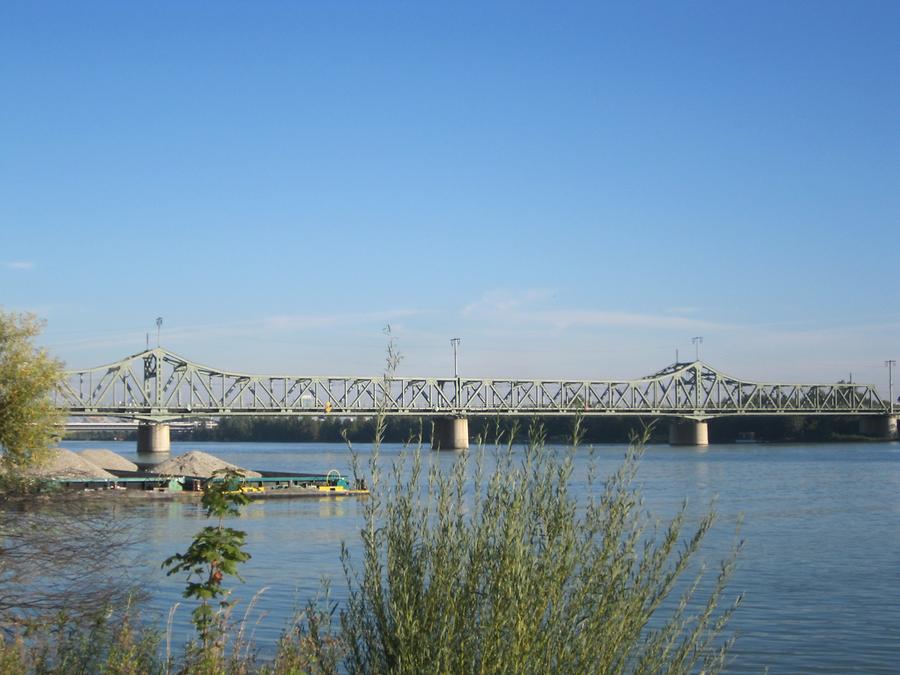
pixel 157 385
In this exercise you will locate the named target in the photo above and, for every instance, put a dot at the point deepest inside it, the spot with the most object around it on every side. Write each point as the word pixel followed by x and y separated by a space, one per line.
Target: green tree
pixel 29 421
pixel 216 551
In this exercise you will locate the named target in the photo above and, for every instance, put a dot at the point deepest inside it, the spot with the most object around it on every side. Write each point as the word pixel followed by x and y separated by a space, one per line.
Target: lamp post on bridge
pixel 890 363
pixel 452 433
pixel 697 342
pixel 455 343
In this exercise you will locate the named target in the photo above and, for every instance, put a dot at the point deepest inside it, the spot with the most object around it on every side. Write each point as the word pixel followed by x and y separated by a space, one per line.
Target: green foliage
pixel 23 486
pixel 327 429
pixel 110 644
pixel 507 571
pixel 215 552
pixel 13 656
pixel 312 645
pixel 597 429
pixel 222 494
pixel 29 422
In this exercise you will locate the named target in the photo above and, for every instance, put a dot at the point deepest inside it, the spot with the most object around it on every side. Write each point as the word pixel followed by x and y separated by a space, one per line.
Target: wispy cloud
pixel 295 322
pixel 255 328
pixel 498 301
pixel 530 307
pixel 683 310
pixel 573 318
pixel 849 334
pixel 18 264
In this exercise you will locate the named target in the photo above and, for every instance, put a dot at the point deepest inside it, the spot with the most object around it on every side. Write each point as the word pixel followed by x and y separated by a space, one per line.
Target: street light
pixel 455 343
pixel 697 342
pixel 890 363
pixel 158 326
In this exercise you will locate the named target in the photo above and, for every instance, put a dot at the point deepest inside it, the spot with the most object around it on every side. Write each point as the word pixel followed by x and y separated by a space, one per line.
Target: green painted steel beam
pixel 159 386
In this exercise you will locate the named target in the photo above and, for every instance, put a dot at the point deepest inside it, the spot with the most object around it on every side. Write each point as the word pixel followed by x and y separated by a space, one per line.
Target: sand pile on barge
pixel 107 459
pixel 200 464
pixel 62 463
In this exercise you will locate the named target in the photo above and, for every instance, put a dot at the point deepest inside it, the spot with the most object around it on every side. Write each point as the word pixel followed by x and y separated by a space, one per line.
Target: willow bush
pixel 506 570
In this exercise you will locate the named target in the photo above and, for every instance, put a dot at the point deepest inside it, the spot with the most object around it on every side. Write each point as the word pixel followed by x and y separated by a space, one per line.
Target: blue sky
pixel 575 190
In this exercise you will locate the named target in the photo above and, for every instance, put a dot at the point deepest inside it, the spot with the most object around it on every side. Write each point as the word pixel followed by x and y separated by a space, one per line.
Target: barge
pixel 268 484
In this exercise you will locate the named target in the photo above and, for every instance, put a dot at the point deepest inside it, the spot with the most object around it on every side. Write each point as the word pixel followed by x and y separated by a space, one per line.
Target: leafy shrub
pixel 508 571
pixel 111 644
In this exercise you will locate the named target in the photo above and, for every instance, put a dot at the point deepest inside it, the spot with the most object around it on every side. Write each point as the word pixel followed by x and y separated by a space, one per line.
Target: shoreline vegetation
pixel 496 565
pixel 259 429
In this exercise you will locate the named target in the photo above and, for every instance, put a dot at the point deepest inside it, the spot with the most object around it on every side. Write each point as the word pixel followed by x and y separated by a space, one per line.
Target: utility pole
pixel 697 342
pixel 890 363
pixel 158 327
pixel 455 343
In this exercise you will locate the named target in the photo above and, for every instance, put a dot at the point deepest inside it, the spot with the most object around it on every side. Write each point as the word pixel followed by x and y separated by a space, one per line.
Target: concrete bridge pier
pixel 152 437
pixel 450 433
pixel 882 426
pixel 688 432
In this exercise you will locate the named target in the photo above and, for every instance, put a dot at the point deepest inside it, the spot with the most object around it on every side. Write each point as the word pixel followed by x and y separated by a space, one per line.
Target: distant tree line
pixel 262 429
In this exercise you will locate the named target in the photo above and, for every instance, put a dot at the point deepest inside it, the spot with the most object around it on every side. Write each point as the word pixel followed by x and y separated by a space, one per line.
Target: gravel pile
pixel 62 463
pixel 196 463
pixel 107 459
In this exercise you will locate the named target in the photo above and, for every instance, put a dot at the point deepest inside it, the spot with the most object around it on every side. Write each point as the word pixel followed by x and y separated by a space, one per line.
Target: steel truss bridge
pixel 159 386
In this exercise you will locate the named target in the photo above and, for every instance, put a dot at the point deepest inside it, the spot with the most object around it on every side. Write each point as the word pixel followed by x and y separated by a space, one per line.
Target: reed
pixel 114 643
pixel 497 566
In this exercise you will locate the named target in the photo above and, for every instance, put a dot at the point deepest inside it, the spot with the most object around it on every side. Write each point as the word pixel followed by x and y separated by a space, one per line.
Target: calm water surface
pixel 820 570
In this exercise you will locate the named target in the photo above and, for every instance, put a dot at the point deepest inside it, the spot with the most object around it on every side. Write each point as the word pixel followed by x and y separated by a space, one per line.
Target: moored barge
pixel 269 484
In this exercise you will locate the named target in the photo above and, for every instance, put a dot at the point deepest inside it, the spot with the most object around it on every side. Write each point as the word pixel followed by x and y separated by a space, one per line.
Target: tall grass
pixel 499 567
pixel 113 643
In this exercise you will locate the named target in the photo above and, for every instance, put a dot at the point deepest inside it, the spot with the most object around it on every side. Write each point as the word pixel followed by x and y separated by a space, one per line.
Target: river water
pixel 820 568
